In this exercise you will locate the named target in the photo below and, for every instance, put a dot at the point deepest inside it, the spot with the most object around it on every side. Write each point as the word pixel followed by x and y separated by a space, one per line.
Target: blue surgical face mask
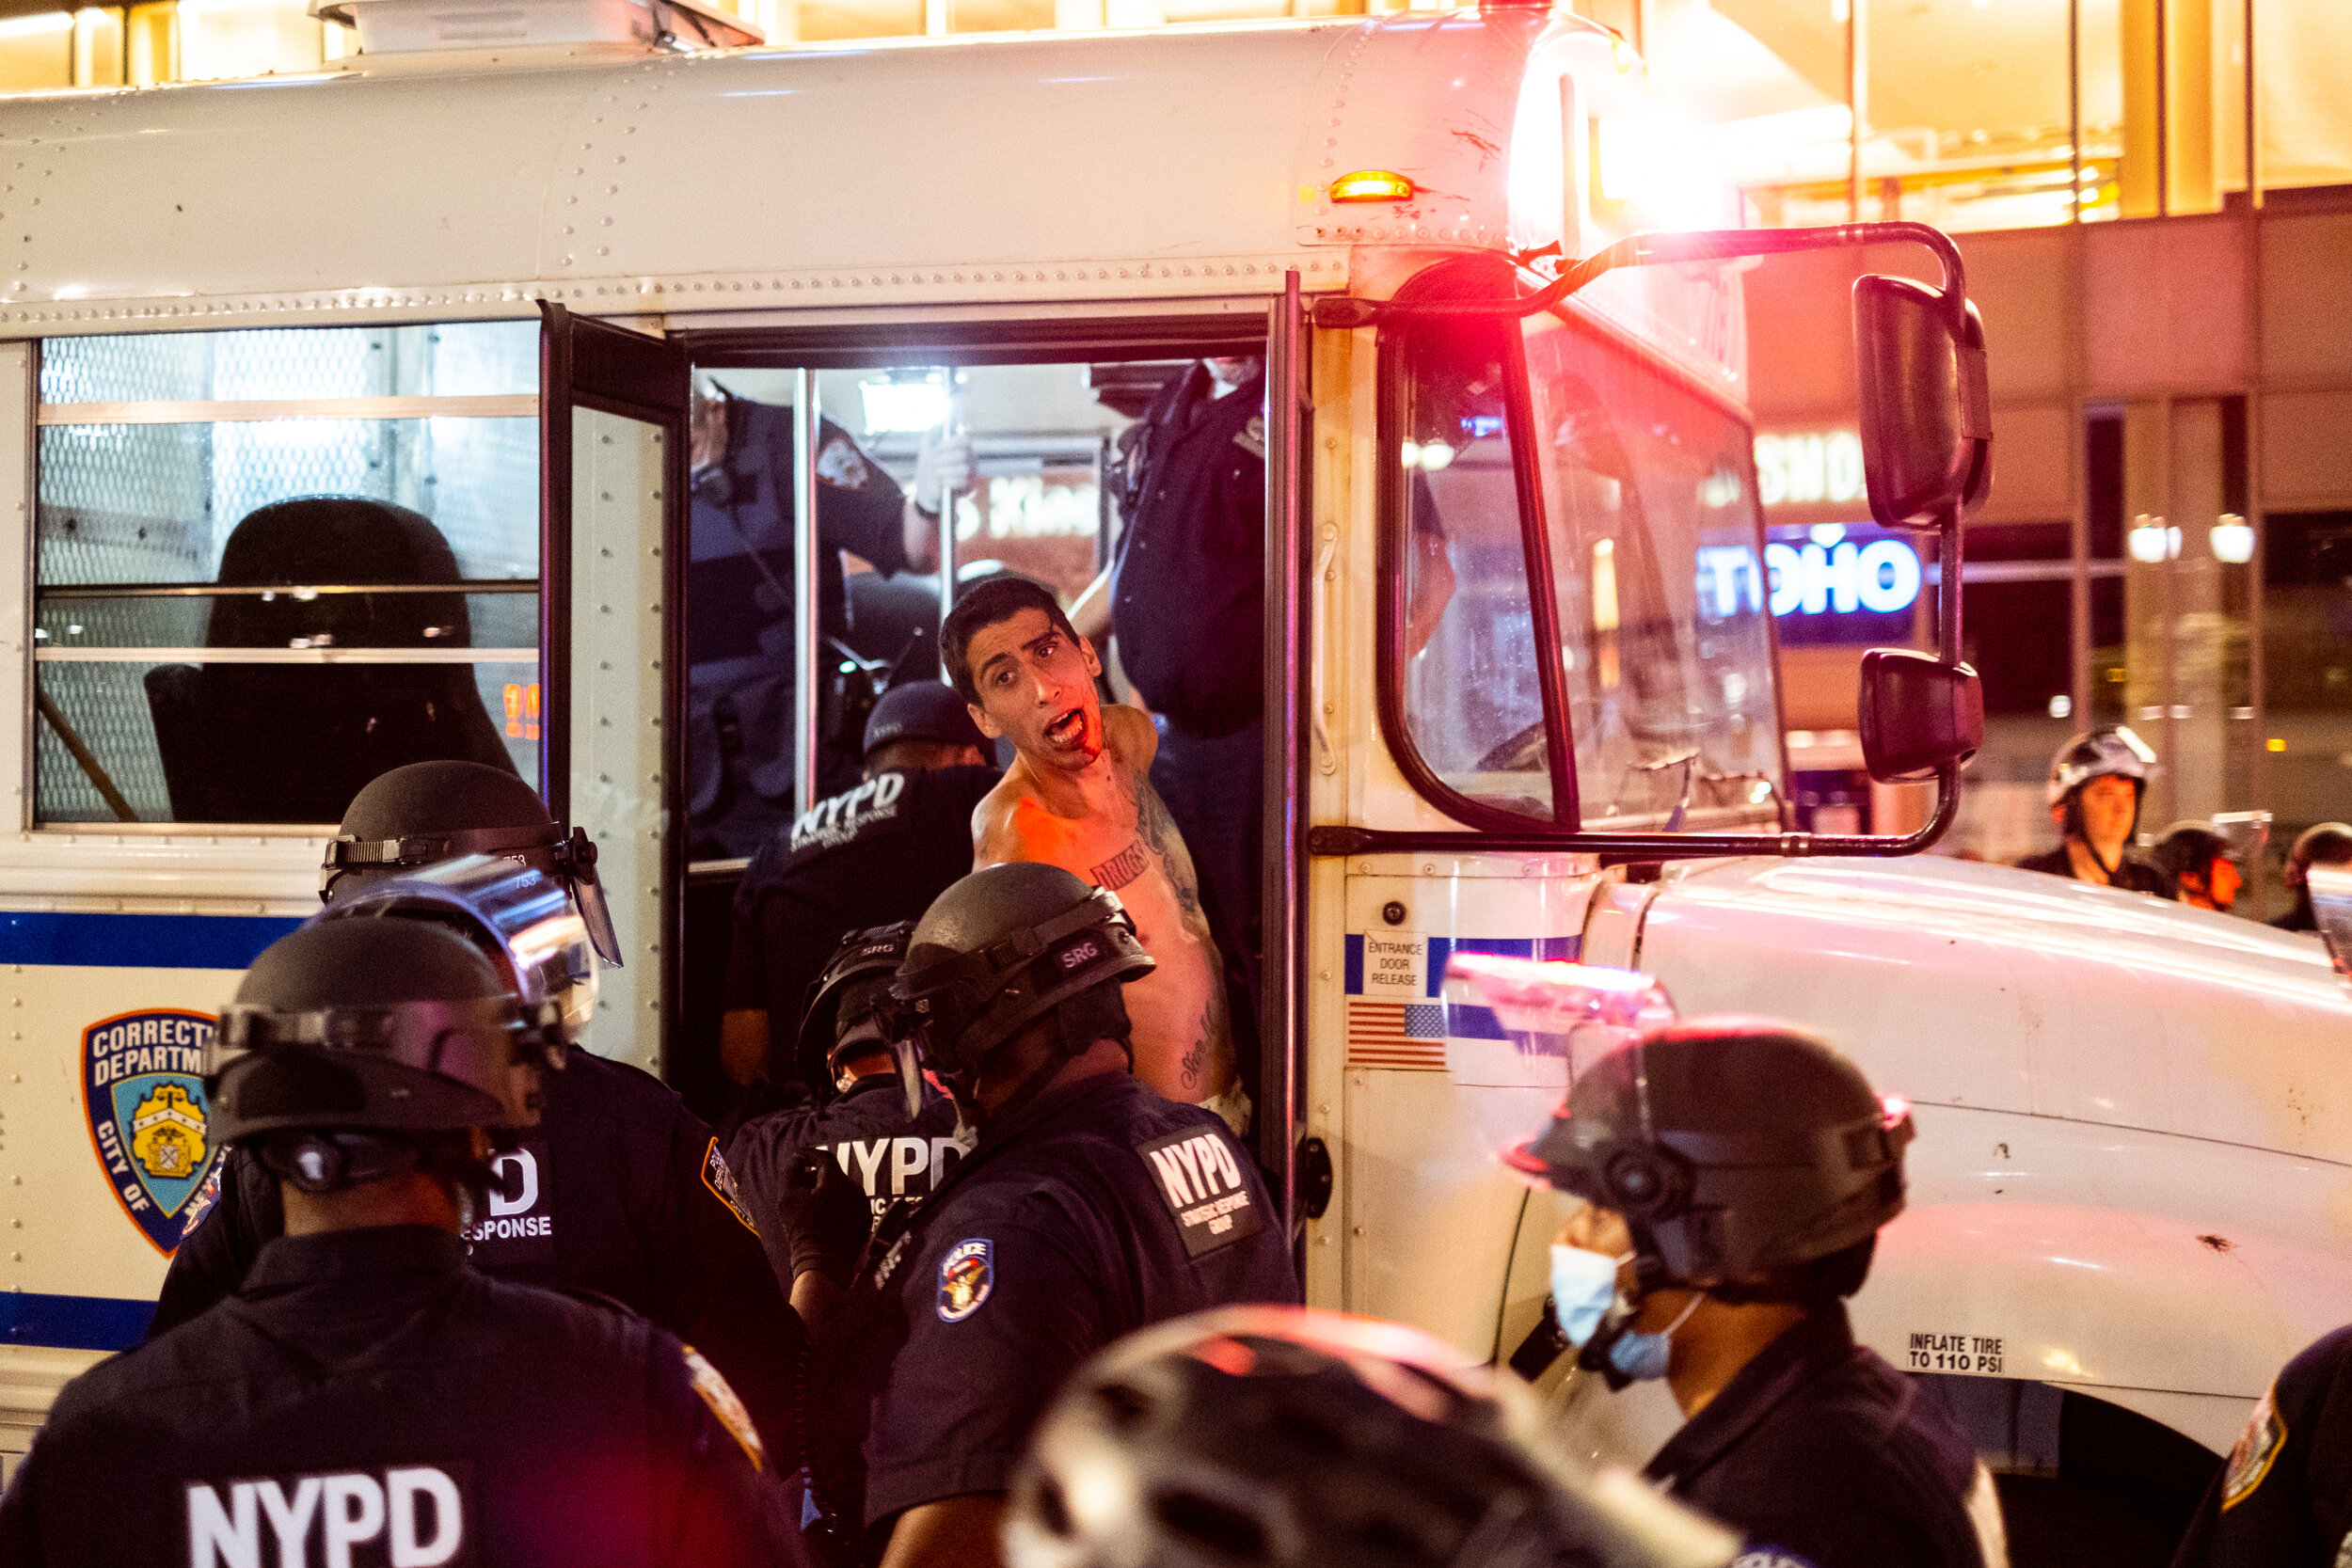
pixel 1584 1288
pixel 1642 1357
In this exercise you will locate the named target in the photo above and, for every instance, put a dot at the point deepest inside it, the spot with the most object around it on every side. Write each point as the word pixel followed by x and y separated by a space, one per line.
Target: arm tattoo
pixel 1161 835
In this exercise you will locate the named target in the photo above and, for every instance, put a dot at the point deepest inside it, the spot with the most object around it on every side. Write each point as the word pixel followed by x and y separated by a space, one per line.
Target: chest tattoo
pixel 1119 869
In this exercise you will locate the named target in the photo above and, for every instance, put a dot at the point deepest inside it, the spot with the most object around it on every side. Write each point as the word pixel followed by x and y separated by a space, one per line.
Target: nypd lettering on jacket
pixel 900 1167
pixel 834 822
pixel 405 1516
pixel 1200 1181
pixel 519 1227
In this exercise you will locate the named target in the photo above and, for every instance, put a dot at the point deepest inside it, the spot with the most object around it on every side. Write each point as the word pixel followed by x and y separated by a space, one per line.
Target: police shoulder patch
pixel 1199 1176
pixel 2256 1450
pixel 840 465
pixel 966 1276
pixel 721 1182
pixel 715 1391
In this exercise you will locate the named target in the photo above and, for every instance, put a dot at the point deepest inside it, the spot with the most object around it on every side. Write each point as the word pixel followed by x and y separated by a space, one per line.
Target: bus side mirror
pixel 1918 714
pixel 1927 428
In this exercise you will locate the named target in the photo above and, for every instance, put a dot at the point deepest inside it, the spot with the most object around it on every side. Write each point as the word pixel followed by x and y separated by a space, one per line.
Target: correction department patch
pixel 143 1090
pixel 966 1275
pixel 2256 1448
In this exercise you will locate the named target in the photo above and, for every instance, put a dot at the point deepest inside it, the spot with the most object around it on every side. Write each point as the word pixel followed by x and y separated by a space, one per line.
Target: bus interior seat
pixel 295 742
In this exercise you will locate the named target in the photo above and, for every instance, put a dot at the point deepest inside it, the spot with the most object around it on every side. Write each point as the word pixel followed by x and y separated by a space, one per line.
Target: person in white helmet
pixel 2097 781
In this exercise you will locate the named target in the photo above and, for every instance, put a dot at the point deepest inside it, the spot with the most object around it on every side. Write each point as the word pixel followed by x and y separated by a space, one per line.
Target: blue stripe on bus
pixel 1355 966
pixel 1548 949
pixel 138 940
pixel 74 1322
pixel 1464 1022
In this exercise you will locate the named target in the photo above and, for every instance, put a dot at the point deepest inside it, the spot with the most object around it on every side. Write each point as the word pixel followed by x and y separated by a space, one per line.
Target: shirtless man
pixel 1079 795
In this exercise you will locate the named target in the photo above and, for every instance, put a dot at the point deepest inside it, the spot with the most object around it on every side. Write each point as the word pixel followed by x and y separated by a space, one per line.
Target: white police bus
pixel 1522 679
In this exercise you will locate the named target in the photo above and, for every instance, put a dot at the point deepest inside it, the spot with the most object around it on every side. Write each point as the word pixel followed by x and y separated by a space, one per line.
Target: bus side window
pixel 272 565
pixel 1472 705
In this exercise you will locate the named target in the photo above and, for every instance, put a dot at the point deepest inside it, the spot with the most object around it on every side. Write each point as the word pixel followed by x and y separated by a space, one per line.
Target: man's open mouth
pixel 1069 729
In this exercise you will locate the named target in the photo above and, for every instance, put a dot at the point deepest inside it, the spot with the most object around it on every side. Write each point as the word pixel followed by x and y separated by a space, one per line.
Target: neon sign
pixel 1814 466
pixel 1828 574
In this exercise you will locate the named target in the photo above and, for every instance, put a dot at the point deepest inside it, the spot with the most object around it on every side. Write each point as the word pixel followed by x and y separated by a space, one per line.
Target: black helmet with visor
pixel 1003 947
pixel 415 816
pixel 349 1048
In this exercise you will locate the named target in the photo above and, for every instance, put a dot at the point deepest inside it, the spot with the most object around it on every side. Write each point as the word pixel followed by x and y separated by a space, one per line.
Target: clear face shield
pixel 521 915
pixel 1520 1030
pixel 2330 887
pixel 573 858
pixel 2245 835
pixel 473 1043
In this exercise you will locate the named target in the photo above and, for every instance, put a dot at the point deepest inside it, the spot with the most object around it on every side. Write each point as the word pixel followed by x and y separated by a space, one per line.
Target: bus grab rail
pixel 1722 245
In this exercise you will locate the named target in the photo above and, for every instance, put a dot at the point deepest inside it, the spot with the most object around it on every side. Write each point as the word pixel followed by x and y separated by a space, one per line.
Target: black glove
pixel 825 1215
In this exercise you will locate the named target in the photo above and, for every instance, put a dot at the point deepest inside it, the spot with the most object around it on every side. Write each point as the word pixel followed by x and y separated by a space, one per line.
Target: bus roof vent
pixel 443 26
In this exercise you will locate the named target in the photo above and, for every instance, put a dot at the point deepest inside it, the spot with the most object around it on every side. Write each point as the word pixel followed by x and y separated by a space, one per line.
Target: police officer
pixel 2284 1498
pixel 365 1396
pixel 1088 1208
pixel 620 1188
pixel 740 743
pixel 1185 597
pixel 872 1113
pixel 2324 844
pixel 871 855
pixel 2200 863
pixel 2097 781
pixel 1736 1172
pixel 1285 1437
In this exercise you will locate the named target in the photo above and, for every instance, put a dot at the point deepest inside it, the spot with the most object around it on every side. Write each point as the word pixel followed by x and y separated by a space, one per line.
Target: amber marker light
pixel 1372 184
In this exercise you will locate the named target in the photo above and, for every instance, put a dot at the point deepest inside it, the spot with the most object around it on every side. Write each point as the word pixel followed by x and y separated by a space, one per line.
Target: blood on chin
pixel 1074 743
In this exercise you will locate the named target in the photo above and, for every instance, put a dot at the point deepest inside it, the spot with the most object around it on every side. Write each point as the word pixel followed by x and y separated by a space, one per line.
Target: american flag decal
pixel 1396 1034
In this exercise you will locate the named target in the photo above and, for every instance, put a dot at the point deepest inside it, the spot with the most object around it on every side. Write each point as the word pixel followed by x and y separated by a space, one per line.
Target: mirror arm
pixel 1346 311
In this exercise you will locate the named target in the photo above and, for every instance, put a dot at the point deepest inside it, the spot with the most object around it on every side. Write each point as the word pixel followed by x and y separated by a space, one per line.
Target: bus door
pixel 613 461
pixel 811 588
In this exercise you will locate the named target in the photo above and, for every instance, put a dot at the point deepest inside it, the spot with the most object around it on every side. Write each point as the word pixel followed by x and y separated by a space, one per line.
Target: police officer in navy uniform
pixel 1186 599
pixel 873 1115
pixel 365 1397
pixel 870 856
pixel 2284 1498
pixel 740 642
pixel 2097 783
pixel 1736 1172
pixel 1088 1208
pixel 620 1188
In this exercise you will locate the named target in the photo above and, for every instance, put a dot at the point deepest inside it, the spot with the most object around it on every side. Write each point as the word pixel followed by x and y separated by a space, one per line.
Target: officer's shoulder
pixel 139 1382
pixel 598 1086
pixel 1866 1419
pixel 565 1321
pixel 2323 1367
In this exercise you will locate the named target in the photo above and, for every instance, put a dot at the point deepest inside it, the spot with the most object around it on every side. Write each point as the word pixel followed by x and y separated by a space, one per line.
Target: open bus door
pixel 612 450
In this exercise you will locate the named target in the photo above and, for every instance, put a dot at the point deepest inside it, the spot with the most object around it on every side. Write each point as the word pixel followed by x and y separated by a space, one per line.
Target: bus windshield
pixel 1656 550
pixel 1655 547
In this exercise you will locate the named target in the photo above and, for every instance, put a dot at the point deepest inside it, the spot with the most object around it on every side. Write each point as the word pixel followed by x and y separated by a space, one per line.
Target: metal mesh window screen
pixel 130 502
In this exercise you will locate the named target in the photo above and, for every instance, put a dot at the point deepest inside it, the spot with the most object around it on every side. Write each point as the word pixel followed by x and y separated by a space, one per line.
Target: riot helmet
pixel 922 711
pixel 518 917
pixel 353 1049
pixel 410 817
pixel 2112 753
pixel 854 986
pixel 1288 1437
pixel 1000 949
pixel 2322 844
pixel 1734 1147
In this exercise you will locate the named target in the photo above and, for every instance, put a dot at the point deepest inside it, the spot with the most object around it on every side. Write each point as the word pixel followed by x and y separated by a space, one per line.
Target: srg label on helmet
pixel 1199 1176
